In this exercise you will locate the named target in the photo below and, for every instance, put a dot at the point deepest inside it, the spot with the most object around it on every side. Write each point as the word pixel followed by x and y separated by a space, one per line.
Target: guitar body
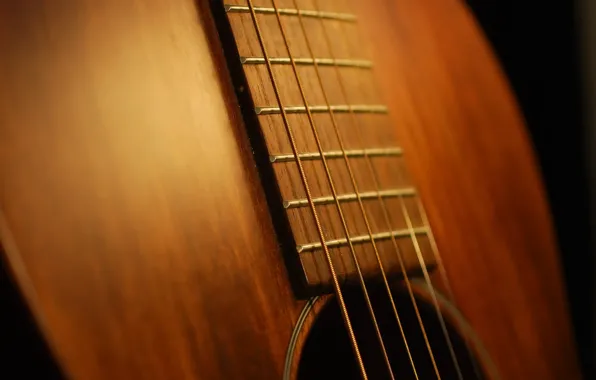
pixel 133 217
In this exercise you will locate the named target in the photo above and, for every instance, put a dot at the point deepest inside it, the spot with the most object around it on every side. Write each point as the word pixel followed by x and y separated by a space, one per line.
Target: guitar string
pixel 447 284
pixel 442 271
pixel 335 282
pixel 376 183
pixel 443 274
pixel 445 280
pixel 362 209
pixel 334 193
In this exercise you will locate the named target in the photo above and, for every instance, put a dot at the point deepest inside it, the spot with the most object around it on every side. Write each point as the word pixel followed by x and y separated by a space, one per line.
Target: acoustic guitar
pixel 273 189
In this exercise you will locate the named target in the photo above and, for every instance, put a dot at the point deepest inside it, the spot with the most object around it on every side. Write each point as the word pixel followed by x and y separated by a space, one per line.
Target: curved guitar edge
pixel 22 338
pixel 465 142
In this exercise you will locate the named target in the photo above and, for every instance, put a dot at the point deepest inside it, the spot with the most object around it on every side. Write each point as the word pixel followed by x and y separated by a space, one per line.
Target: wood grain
pixel 135 224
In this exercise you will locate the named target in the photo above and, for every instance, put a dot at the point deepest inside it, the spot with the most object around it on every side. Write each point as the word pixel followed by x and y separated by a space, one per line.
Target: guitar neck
pixel 336 171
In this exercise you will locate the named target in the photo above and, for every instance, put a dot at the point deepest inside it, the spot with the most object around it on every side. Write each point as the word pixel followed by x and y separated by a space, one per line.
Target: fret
pixel 292 12
pixel 340 108
pixel 309 247
pixel 335 154
pixel 393 193
pixel 356 63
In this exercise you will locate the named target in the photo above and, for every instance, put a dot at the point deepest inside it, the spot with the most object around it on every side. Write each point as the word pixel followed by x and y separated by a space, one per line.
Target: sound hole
pixel 327 353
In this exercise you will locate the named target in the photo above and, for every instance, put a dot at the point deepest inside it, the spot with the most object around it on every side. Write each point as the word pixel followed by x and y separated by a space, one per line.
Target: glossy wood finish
pixel 135 224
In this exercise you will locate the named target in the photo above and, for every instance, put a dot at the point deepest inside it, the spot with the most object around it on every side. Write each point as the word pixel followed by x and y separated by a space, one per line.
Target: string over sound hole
pixel 327 353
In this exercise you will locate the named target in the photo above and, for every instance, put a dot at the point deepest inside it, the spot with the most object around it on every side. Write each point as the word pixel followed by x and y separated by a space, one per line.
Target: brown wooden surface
pixel 131 197
pixel 135 224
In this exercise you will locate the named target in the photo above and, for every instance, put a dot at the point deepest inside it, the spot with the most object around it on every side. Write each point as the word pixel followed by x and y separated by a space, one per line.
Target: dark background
pixel 545 47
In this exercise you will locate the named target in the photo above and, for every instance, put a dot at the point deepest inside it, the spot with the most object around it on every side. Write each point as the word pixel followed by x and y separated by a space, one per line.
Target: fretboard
pixel 347 150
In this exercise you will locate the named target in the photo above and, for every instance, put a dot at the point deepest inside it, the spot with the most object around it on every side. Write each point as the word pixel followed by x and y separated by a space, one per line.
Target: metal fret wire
pixel 373 152
pixel 334 193
pixel 434 248
pixel 356 108
pixel 361 239
pixel 292 12
pixel 392 193
pixel 336 286
pixel 360 63
pixel 360 203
